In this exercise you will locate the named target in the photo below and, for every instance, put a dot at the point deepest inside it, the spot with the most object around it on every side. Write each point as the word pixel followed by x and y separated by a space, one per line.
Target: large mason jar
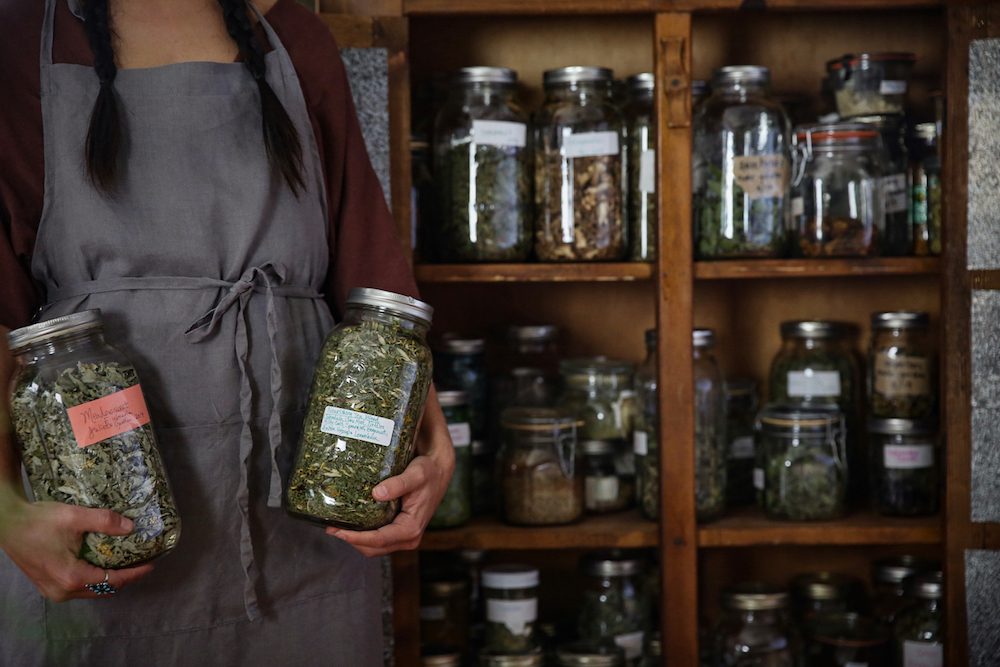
pixel 85 437
pixel 837 207
pixel 644 436
pixel 367 395
pixel 482 171
pixel 741 167
pixel 897 239
pixel 902 382
pixel 615 606
pixel 919 627
pixel 640 121
pixel 754 631
pixel 579 170
pixel 709 429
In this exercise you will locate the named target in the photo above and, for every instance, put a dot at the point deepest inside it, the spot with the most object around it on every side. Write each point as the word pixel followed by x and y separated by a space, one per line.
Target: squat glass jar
pixel 609 485
pixel 616 607
pixel 754 630
pixel 919 628
pixel 644 439
pixel 901 367
pixel 819 594
pixel 444 613
pixel 741 404
pixel 599 391
pixel 845 640
pixel 85 437
pixel 888 575
pixel 460 364
pixel 709 429
pixel 511 595
pixel 482 169
pixel 579 171
pixel 640 122
pixel 742 167
pixel 905 475
pixel 456 506
pixel 367 395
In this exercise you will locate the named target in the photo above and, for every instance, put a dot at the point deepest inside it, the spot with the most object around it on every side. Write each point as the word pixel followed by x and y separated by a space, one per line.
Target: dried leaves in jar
pixel 766 221
pixel 902 384
pixel 803 483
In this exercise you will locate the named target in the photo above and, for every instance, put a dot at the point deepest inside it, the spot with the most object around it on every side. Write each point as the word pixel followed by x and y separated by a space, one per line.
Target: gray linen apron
pixel 207 269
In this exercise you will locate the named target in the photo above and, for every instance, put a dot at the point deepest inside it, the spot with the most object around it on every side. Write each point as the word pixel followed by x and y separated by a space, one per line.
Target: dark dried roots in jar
pixel 837 237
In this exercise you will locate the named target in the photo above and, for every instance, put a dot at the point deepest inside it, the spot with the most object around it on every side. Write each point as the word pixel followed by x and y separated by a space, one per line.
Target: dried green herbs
pixel 648 480
pixel 455 507
pixel 719 226
pixel 613 611
pixel 710 473
pixel 123 473
pixel 902 386
pixel 499 638
pixel 803 479
pixel 371 380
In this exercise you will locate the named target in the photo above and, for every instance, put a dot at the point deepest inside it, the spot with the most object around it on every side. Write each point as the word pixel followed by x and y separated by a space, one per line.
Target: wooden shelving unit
pixel 502 7
pixel 520 273
pixel 816 268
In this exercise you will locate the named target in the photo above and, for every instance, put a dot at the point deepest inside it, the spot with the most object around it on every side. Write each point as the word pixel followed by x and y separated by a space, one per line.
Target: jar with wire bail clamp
pixel 455 507
pixel 905 474
pixel 482 169
pixel 754 631
pixel 580 186
pixel 616 607
pixel 599 391
pixel 871 83
pixel 640 121
pixel 85 436
pixel 368 392
pixel 902 382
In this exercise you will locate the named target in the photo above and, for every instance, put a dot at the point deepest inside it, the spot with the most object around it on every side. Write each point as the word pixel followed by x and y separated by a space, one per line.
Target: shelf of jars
pixel 642 6
pixel 817 268
pixel 501 273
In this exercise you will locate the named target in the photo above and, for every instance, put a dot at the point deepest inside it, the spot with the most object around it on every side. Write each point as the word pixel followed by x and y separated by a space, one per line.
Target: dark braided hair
pixel 104 136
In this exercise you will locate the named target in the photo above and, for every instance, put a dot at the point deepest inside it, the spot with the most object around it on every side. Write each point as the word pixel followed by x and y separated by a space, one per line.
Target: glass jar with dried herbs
pixel 599 391
pixel 367 395
pixel 844 640
pixel 922 147
pixel 529 371
pixel 511 595
pixel 533 659
pixel 819 594
pixel 709 429
pixel 640 123
pixel 85 437
pixel 609 485
pixel 741 167
pixel 741 408
pixel 460 364
pixel 444 613
pixel 590 653
pixel 905 473
pixel 482 170
pixel 616 607
pixel 902 382
pixel 644 438
pixel 919 627
pixel 888 575
pixel 754 630
pixel 897 240
pixel 539 470
pixel 456 506
pixel 580 186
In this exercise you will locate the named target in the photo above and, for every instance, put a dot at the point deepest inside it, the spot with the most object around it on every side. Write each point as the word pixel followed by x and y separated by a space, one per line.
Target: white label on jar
pixel 632 643
pixel 889 87
pixel 895 196
pixel 515 614
pixel 590 144
pixel 499 133
pixel 461 434
pixel 813 383
pixel 908 457
pixel 357 426
pixel 640 443
pixel 600 490
pixel 761 176
pixel 435 613
pixel 900 375
pixel 758 479
pixel 922 654
pixel 798 206
pixel 742 448
pixel 647 171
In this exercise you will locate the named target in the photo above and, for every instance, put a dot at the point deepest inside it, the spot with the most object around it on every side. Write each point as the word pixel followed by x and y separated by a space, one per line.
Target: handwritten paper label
pixel 742 448
pixel 889 87
pixel 461 434
pixel 502 133
pixel 600 490
pixel 515 614
pixel 761 176
pixel 902 376
pixel 640 443
pixel 590 144
pixel 810 383
pixel 632 643
pixel 908 457
pixel 922 654
pixel 895 194
pixel 357 426
pixel 647 171
pixel 798 206
pixel 109 416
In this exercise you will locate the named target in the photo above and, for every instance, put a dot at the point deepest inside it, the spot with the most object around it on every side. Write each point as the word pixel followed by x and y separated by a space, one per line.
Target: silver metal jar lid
pixel 703 338
pixel 595 366
pixel 902 319
pixel 894 570
pixel 824 586
pixel 400 304
pixel 542 333
pixel 577 75
pixel 610 564
pixel 54 328
pixel 700 88
pixel 533 659
pixel 926 586
pixel 882 122
pixel 510 577
pixel 651 338
pixel 500 75
pixel 741 74
pixel 814 329
pixel 453 344
pixel 589 654
pixel 452 397
pixel 596 447
pixel 644 81
pixel 900 426
pixel 441 656
pixel 754 597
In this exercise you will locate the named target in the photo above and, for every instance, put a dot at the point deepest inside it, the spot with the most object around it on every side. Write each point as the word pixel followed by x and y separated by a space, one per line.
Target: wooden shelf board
pixel 805 5
pixel 623 529
pixel 502 273
pixel 816 268
pixel 749 526
pixel 642 6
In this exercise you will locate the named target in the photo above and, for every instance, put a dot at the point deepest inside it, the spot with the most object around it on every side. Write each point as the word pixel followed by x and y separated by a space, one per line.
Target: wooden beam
pixel 406 607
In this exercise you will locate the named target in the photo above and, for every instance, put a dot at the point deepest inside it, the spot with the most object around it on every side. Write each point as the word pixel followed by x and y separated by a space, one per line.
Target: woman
pixel 170 162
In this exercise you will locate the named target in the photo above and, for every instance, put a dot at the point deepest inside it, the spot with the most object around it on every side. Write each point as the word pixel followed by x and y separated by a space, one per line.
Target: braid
pixel 104 136
pixel 281 140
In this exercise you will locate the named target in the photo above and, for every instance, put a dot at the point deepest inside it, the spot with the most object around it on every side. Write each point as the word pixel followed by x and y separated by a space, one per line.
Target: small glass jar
pixel 599 391
pixel 362 416
pixel 741 167
pixel 460 364
pixel 871 83
pixel 754 629
pixel 845 640
pixel 85 437
pixel 837 208
pixel 887 584
pixel 579 175
pixel 801 462
pixel 609 485
pixel 644 440
pixel 919 627
pixel 741 408
pixel 482 168
pixel 616 607
pixel 511 595
pixel 905 472
pixel 589 653
pixel 819 594
pixel 456 506
pixel 902 381
pixel 444 613
pixel 640 121
pixel 709 429
pixel 440 656
pixel 923 146
pixel 897 239
pixel 534 659
pixel 539 470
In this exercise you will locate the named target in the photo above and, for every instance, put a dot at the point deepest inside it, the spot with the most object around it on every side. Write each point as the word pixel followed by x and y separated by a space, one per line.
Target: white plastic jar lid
pixel 507 577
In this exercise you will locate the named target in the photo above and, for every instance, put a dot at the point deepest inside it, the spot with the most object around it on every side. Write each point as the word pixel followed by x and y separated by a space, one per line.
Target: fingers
pixel 89 520
pixel 74 585
pixel 411 479
pixel 403 533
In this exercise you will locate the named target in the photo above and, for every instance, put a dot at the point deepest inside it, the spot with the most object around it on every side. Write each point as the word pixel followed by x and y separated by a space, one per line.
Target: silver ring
pixel 103 588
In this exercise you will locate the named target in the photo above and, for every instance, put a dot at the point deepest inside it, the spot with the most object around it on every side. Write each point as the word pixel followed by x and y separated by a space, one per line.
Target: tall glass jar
pixel 888 575
pixel 741 408
pixel 460 364
pixel 754 630
pixel 615 606
pixel 444 613
pixel 923 146
pixel 511 595
pixel 644 437
pixel 599 391
pixel 85 437
pixel 579 175
pixel 742 167
pixel 709 429
pixel 902 382
pixel 819 594
pixel 482 169
pixel 919 628
pixel 894 184
pixel 456 506
pixel 845 640
pixel 837 207
pixel 640 120
pixel 905 472
pixel 802 469
pixel 539 470
pixel 609 480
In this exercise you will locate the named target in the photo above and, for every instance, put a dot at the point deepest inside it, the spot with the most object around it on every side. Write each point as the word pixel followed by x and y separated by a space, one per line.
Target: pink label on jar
pixel 109 416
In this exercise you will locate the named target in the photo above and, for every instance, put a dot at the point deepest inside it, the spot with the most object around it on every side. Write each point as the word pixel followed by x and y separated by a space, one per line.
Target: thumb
pixel 89 520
